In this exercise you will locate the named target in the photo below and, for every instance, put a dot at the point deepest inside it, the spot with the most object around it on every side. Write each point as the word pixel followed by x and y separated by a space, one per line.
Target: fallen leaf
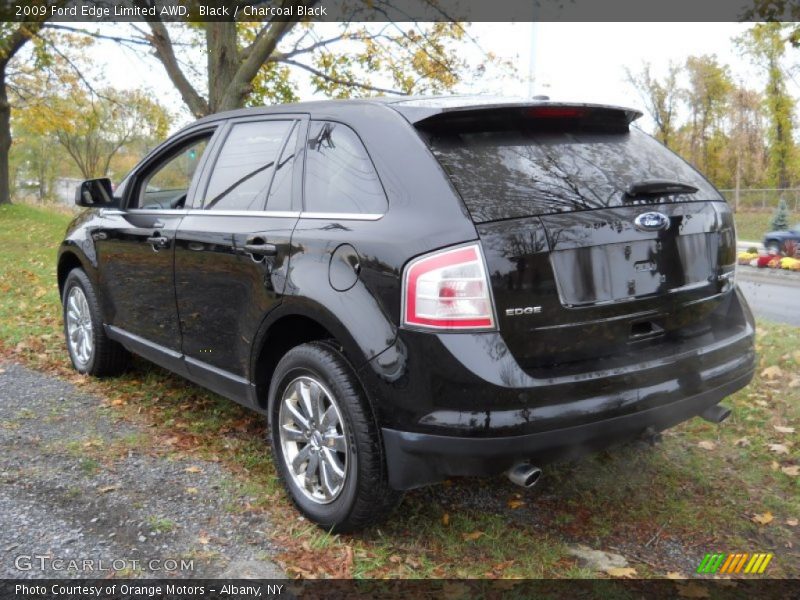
pixel 203 538
pixel 693 590
pixel 764 519
pixel 117 402
pixel 781 429
pixel 794 383
pixel 106 489
pixel 675 575
pixel 514 503
pixel 469 537
pixel 446 519
pixel 743 442
pixel 791 522
pixel 775 466
pixel 792 471
pixel 193 469
pixel 395 558
pixel 191 490
pixel 778 448
pixel 707 445
pixel 622 572
pixel 773 372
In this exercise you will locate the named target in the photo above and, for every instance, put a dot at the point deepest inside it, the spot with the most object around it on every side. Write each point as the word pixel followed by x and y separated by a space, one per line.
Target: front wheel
pixel 326 445
pixel 90 349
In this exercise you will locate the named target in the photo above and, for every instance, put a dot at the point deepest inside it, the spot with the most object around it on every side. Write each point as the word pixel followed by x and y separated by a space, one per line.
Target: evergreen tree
pixel 780 220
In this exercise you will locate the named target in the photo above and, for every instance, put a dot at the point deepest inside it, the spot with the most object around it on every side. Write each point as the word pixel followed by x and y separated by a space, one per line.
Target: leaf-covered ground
pixel 705 488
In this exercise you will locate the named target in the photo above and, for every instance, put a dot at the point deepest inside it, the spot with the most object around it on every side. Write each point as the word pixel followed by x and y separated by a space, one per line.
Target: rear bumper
pixel 459 404
pixel 417 459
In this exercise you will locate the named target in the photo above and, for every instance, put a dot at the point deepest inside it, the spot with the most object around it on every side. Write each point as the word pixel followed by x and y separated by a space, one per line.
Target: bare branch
pixel 277 56
pixel 165 52
pixel 98 35
pixel 345 82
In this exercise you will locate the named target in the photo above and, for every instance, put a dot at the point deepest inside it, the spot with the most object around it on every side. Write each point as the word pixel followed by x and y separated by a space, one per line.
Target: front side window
pixel 166 186
pixel 280 192
pixel 339 175
pixel 244 168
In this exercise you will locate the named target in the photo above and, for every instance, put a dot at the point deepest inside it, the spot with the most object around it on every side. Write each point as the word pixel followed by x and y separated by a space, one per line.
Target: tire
pixel 98 355
pixel 346 439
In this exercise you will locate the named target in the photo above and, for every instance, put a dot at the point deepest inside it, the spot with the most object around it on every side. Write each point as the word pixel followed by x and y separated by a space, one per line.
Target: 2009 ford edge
pixel 419 288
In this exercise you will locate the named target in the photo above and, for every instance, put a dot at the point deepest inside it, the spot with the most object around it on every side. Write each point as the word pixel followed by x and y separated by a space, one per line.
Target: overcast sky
pixel 572 61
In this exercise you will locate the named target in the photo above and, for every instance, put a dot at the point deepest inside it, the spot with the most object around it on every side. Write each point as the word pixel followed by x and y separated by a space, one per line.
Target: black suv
pixel 416 289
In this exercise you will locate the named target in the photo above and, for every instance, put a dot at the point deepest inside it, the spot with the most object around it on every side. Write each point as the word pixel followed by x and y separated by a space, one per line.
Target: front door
pixel 232 248
pixel 135 251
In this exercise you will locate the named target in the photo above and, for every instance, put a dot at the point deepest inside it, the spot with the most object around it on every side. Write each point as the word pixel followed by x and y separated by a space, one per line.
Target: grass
pixel 662 508
pixel 752 225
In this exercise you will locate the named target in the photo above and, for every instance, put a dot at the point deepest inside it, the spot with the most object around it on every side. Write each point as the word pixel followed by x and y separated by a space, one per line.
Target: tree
pixel 780 220
pixel 765 45
pixel 13 37
pixel 254 63
pixel 92 129
pixel 661 99
pixel 746 148
pixel 707 99
pixel 59 105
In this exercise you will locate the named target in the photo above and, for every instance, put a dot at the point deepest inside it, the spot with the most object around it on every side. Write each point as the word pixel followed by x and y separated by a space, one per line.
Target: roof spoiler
pixel 533 116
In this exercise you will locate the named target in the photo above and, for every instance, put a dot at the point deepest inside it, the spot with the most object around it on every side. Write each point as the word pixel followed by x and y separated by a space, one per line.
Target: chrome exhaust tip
pixel 716 413
pixel 524 474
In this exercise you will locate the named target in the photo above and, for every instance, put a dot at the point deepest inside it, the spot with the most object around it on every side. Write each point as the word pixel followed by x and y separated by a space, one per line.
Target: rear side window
pixel 243 170
pixel 508 174
pixel 339 175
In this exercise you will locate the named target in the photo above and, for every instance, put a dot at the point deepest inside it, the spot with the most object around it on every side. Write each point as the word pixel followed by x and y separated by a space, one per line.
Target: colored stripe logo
pixel 732 564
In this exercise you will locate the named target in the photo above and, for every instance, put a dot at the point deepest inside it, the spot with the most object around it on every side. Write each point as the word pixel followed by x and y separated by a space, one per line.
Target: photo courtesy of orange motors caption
pixel 342 298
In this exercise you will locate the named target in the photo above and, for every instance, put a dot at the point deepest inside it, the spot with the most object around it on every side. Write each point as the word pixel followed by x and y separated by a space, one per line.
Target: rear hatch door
pixel 599 241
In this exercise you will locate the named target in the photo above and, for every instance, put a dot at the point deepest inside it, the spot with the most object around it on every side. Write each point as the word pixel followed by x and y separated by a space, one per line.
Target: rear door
pixel 135 249
pixel 232 248
pixel 598 240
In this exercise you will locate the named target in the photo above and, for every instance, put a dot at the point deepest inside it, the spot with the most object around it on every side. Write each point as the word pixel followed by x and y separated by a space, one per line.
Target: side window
pixel 243 170
pixel 280 192
pixel 339 175
pixel 166 186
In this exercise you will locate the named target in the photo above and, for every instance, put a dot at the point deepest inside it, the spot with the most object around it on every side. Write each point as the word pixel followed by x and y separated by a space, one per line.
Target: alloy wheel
pixel 80 331
pixel 313 439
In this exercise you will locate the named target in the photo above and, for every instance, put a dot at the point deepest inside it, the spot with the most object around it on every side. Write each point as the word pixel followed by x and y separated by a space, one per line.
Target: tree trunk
pixel 223 62
pixel 738 182
pixel 5 140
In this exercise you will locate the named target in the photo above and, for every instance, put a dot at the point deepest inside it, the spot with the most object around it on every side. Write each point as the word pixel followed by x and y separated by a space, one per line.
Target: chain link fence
pixel 763 199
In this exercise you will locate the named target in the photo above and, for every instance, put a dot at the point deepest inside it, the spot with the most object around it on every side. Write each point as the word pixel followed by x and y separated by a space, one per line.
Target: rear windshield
pixel 508 174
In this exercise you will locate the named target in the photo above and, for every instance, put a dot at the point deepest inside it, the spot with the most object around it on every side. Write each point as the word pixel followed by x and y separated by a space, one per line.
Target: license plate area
pixel 626 271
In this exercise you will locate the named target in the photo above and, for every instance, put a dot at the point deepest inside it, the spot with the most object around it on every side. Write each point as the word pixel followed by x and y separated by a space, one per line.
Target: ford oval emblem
pixel 651 221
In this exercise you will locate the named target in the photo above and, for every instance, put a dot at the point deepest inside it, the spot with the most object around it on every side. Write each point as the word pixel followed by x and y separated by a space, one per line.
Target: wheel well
pixel 66 263
pixel 282 336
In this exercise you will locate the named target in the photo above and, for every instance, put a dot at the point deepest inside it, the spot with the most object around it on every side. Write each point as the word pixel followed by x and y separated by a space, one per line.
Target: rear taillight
pixel 448 289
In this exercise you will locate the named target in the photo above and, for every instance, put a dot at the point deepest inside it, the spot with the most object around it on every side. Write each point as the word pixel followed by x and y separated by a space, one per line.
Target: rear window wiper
pixel 658 187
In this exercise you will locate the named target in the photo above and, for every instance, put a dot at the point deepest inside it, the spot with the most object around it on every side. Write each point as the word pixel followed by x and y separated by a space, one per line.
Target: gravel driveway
pixel 80 486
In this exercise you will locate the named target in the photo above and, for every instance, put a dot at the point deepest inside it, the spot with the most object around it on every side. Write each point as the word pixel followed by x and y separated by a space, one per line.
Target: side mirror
pixel 95 193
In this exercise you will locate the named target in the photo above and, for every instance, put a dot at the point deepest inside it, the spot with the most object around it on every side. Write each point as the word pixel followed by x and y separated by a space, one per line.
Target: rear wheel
pixel 327 447
pixel 90 349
